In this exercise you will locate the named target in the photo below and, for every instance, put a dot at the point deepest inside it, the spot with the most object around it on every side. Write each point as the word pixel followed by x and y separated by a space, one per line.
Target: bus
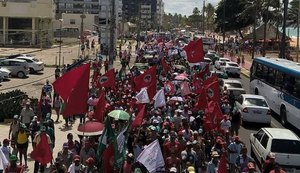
pixel 278 80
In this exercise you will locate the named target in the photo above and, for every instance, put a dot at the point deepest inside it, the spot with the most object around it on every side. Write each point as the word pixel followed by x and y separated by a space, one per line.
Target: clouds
pixel 185 7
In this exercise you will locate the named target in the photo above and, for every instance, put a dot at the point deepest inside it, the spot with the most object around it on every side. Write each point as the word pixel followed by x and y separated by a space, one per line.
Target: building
pixel 105 18
pixel 26 22
pixel 77 6
pixel 148 12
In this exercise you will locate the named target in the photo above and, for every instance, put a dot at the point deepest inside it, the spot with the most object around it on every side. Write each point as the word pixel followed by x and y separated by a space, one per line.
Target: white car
pixel 211 52
pixel 34 64
pixel 4 74
pixel 282 142
pixel 232 69
pixel 234 86
pixel 221 62
pixel 254 108
pixel 209 62
pixel 17 67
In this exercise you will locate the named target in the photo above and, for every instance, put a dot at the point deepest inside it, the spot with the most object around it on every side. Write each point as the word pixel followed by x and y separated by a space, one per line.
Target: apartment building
pixel 26 22
pixel 77 6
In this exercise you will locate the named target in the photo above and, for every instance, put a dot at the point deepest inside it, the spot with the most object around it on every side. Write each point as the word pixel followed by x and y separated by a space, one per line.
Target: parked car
pixel 4 74
pixel 234 86
pixel 282 142
pixel 221 62
pixel 18 67
pixel 141 67
pixel 254 108
pixel 232 69
pixel 220 74
pixel 34 64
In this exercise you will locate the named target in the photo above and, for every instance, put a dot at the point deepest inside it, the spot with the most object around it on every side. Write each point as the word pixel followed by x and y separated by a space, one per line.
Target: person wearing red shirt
pixel 13 167
pixel 171 145
pixel 173 161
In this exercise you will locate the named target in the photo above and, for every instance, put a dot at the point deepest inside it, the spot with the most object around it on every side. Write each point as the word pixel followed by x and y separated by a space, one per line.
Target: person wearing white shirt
pixel 225 124
pixel 234 150
pixel 6 148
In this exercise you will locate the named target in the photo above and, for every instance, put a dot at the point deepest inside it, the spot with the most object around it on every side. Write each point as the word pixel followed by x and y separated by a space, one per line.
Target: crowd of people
pixel 189 139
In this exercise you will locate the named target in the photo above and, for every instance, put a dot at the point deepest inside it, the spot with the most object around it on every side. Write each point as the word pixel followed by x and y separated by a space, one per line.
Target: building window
pixel 72 21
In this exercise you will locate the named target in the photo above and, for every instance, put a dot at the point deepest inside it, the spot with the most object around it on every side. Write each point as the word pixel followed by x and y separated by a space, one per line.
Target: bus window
pixel 253 70
pixel 289 84
pixel 259 71
pixel 271 76
pixel 265 73
pixel 297 87
pixel 279 79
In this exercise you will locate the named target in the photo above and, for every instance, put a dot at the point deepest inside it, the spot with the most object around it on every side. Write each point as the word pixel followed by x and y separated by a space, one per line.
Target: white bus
pixel 278 80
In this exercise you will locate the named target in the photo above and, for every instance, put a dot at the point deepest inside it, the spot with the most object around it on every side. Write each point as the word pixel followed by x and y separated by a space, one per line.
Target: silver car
pixel 18 68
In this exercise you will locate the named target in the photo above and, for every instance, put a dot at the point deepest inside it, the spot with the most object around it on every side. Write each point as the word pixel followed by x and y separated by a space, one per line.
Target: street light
pixel 59 52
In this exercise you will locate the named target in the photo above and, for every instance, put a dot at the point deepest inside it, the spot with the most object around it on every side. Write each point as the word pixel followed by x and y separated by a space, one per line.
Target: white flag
pixel 142 96
pixel 160 99
pixel 151 157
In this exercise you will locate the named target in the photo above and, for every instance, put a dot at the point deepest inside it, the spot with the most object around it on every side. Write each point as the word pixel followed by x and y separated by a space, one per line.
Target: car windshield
pixel 35 60
pixel 227 60
pixel 232 64
pixel 141 68
pixel 234 85
pixel 255 102
pixel 293 146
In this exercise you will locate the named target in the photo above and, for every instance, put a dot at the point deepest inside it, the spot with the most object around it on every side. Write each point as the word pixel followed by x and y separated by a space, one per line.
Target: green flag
pixel 107 136
pixel 119 147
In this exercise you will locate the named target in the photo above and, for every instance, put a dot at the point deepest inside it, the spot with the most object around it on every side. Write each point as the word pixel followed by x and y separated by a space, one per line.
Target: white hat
pixel 272 155
pixel 173 169
pixel 16 116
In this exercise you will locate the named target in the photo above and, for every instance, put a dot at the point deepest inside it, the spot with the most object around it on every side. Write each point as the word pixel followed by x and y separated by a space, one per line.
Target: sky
pixel 185 7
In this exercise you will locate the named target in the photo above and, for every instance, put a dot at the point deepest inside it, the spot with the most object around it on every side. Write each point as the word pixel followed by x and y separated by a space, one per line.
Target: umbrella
pixel 181 76
pixel 177 98
pixel 119 115
pixel 90 128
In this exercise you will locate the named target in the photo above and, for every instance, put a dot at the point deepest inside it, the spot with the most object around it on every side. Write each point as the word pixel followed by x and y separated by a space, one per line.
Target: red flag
pixel 77 101
pixel 139 118
pixel 100 108
pixel 202 73
pixel 145 79
pixel 223 165
pixel 185 88
pixel 215 114
pixel 165 66
pixel 108 159
pixel 197 86
pixel 151 90
pixel 66 83
pixel 42 152
pixel 194 51
pixel 95 76
pixel 169 88
pixel 210 80
pixel 213 91
pixel 201 102
pixel 107 79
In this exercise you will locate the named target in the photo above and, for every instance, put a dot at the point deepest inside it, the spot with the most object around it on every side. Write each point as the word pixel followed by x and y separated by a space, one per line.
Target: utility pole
pixel 203 16
pixel 224 13
pixel 59 52
pixel 112 34
pixel 298 18
pixel 254 31
pixel 82 16
pixel 139 25
pixel 283 37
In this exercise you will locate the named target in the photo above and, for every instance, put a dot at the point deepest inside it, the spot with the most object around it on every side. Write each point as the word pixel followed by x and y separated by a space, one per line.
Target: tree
pixel 233 19
pixel 195 19
pixel 293 13
pixel 210 16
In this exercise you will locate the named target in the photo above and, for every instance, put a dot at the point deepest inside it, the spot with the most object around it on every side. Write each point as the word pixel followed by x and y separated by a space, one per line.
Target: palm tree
pixel 210 14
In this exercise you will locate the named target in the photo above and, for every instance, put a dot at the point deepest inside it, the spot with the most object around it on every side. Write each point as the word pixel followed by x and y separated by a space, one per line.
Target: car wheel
pixel 283 118
pixel 21 74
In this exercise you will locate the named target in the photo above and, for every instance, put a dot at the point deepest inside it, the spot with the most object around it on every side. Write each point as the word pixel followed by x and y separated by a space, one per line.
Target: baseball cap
pixel 16 116
pixel 272 155
pixel 76 158
pixel 215 154
pixel 173 169
pixel 90 161
pixel 191 169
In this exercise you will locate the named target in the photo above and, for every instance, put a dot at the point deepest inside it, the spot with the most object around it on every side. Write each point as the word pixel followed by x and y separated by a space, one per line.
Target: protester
pixel 26 115
pixel 13 167
pixel 22 143
pixel 212 166
pixel 76 166
pixel 14 128
pixel 6 149
pixel 269 163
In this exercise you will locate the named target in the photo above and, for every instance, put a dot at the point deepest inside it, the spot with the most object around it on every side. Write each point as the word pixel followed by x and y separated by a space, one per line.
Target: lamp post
pixel 59 52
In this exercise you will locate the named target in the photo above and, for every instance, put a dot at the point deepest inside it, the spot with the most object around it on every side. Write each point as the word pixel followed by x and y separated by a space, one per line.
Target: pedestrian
pixel 34 127
pixel 76 166
pixel 37 139
pixel 269 163
pixel 13 167
pixel 243 159
pixel 57 72
pixel 14 128
pixel 277 169
pixel 87 151
pixel 235 122
pixel 128 163
pixel 234 150
pixel 65 155
pixel 58 167
pixel 212 166
pixel 47 88
pixel 57 105
pixel 90 166
pixel 188 155
pixel 26 115
pixel 22 143
pixel 64 69
pixel 225 124
pixel 6 149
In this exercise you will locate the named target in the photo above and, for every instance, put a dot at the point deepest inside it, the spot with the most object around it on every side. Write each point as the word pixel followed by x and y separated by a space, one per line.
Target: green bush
pixel 10 104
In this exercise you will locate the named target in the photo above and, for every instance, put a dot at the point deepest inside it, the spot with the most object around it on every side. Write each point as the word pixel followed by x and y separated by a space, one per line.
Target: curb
pixel 245 72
